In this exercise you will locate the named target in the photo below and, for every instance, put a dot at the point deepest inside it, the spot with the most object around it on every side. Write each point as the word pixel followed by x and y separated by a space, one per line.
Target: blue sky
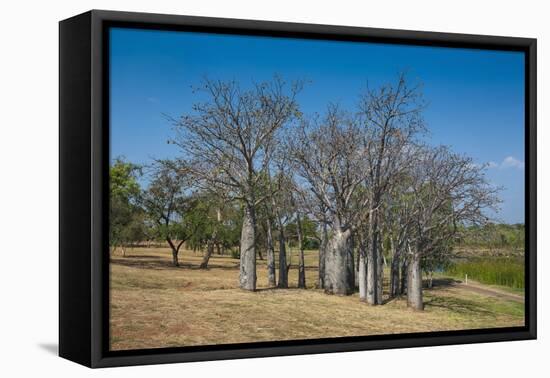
pixel 475 97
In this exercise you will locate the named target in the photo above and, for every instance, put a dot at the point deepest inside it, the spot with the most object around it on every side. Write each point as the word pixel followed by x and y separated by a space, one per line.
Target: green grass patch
pixel 508 272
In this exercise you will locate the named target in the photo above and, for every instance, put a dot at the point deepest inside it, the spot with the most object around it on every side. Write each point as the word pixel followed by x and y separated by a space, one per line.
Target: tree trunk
pixel 394 276
pixel 357 265
pixel 270 256
pixel 394 269
pixel 283 271
pixel 208 254
pixel 414 282
pixel 175 251
pixel 372 263
pixel 301 262
pixel 123 251
pixel 339 270
pixel 404 275
pixel 379 271
pixel 362 272
pixel 322 254
pixel 247 276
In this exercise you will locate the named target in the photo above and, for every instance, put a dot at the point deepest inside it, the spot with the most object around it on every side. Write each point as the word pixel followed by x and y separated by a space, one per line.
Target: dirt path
pixel 489 291
pixel 476 287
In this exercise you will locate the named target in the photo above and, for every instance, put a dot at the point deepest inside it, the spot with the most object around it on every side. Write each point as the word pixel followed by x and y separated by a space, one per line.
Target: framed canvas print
pixel 233 188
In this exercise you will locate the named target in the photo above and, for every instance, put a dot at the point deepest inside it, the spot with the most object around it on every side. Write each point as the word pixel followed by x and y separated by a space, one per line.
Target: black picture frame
pixel 83 181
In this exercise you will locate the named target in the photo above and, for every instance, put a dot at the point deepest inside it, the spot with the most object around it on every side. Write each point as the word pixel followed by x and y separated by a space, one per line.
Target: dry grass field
pixel 154 305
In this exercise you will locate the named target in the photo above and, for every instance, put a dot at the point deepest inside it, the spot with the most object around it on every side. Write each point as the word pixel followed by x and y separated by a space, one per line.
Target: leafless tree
pixel 279 186
pixel 328 158
pixel 399 217
pixel 229 140
pixel 391 117
pixel 447 190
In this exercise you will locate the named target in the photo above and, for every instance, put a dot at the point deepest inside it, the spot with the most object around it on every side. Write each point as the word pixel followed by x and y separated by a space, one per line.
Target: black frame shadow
pixel 83 181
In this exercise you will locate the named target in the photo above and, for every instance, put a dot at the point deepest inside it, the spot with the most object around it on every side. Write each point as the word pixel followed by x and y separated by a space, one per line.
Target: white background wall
pixel 29 185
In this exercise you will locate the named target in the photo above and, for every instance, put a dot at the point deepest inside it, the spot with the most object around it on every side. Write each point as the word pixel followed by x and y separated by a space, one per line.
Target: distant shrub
pixel 494 236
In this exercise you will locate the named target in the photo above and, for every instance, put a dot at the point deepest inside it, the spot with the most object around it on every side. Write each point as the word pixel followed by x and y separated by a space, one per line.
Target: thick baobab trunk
pixel 362 273
pixel 339 270
pixel 207 255
pixel 322 254
pixel 270 256
pixel 414 283
pixel 301 262
pixel 247 277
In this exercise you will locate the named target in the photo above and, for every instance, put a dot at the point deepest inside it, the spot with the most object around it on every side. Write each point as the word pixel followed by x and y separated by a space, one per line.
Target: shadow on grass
pixel 460 306
pixel 389 299
pixel 275 289
pixel 441 283
pixel 156 263
pixel 140 257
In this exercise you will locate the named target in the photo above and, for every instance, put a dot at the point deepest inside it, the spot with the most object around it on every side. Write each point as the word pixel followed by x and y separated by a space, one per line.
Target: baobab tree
pixel 229 140
pixel 448 190
pixel 399 217
pixel 328 158
pixel 391 117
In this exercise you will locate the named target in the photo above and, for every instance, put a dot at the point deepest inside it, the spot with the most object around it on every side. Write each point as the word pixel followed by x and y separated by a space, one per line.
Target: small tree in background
pixel 126 218
pixel 165 201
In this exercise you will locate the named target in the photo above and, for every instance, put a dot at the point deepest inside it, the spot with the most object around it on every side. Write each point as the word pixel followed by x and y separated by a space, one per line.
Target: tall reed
pixel 494 271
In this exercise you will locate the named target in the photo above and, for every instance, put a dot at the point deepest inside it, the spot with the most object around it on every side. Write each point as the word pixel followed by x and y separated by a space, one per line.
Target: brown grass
pixel 155 305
